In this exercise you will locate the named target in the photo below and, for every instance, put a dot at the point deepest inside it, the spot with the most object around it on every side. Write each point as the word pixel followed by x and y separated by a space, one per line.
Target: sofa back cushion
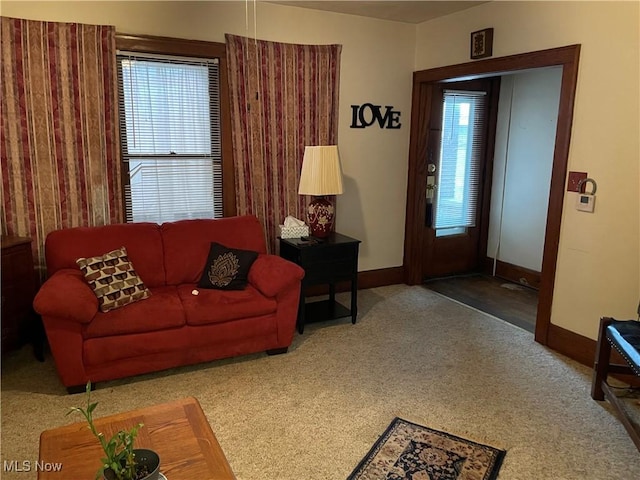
pixel 187 242
pixel 142 241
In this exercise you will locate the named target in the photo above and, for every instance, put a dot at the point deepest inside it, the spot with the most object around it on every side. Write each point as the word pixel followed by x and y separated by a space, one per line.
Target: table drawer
pixel 332 253
pixel 329 271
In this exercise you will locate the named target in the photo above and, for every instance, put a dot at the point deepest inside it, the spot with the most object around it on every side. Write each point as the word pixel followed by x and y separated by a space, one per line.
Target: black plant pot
pixel 143 456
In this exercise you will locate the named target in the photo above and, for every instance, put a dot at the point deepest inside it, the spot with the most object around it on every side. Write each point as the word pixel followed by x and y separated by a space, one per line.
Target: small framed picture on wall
pixel 482 43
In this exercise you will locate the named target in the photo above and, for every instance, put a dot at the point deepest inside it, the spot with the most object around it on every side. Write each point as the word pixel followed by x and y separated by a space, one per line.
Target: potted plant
pixel 121 461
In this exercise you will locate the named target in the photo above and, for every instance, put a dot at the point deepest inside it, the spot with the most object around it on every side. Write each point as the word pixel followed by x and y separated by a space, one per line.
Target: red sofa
pixel 172 327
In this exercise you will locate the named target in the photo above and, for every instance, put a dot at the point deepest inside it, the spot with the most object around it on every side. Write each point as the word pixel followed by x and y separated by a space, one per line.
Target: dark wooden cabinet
pixel 18 290
pixel 325 261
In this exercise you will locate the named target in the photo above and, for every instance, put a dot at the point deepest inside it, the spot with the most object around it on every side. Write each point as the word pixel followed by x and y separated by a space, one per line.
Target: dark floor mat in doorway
pixel 508 301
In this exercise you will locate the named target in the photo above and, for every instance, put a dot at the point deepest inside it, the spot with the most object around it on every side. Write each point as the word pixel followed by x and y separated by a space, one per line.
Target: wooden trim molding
pixel 573 345
pixel 569 57
pixel 380 278
pixel 417 179
pixel 514 273
pixel 565 57
pixel 170 46
pixel 200 49
pixel 583 350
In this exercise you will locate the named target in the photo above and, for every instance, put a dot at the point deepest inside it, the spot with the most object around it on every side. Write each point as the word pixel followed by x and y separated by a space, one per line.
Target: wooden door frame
pixel 566 57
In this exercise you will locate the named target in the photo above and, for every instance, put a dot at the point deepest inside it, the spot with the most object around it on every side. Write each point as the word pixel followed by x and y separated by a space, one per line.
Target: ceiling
pixel 407 11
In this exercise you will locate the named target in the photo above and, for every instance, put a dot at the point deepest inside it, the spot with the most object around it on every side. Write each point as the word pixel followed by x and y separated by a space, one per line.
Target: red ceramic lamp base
pixel 320 216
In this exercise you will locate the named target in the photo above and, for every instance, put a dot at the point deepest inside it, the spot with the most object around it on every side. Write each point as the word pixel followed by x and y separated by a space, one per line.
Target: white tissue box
pixel 294 231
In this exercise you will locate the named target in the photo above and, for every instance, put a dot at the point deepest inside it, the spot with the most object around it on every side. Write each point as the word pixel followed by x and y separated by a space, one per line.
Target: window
pixel 170 133
pixel 460 154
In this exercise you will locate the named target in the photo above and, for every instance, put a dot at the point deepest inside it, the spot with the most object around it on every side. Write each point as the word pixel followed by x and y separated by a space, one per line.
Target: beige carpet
pixel 315 412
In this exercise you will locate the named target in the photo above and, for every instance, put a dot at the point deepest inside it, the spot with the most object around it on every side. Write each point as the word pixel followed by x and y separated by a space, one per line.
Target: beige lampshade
pixel 321 173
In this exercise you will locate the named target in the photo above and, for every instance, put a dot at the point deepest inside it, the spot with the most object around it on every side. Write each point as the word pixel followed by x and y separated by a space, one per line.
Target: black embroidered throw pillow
pixel 227 268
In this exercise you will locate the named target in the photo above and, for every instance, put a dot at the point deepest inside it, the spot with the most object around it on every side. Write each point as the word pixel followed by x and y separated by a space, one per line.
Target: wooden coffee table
pixel 178 431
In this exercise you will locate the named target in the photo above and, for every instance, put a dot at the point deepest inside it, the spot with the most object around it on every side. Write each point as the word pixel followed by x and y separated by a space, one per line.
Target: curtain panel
pixel 59 145
pixel 283 97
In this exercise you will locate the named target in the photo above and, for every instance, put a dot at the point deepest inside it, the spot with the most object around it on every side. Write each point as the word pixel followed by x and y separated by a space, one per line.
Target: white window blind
pixel 460 159
pixel 170 137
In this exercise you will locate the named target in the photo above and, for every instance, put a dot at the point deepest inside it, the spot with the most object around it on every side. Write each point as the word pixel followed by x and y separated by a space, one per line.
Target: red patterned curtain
pixel 283 97
pixel 59 133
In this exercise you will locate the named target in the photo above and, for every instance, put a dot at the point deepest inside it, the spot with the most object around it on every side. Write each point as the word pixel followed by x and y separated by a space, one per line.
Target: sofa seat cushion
pixel 162 310
pixel 216 306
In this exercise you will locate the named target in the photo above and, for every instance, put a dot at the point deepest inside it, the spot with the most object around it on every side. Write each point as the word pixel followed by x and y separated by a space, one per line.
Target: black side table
pixel 325 261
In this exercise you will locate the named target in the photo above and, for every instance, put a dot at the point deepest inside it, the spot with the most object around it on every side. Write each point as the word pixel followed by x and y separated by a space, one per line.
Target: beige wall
pixel 376 67
pixel 525 139
pixel 598 262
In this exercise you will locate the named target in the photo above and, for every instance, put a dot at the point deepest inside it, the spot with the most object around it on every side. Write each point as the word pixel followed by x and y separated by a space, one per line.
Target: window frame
pixel 199 49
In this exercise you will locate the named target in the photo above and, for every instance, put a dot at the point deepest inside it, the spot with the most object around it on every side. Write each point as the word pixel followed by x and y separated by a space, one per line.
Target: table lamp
pixel 321 175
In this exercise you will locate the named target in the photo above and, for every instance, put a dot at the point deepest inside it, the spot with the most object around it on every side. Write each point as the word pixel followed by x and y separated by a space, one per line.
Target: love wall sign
pixel 365 115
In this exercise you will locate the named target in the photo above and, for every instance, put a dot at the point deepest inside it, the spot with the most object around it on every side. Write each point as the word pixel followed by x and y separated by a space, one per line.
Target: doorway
pixel 567 58
pixel 505 281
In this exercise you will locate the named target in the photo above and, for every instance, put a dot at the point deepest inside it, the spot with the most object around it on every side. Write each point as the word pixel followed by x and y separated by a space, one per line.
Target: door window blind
pixel 460 159
pixel 170 137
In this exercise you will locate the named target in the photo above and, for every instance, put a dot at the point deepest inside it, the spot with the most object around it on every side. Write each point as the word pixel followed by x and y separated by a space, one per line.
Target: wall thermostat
pixel 586 201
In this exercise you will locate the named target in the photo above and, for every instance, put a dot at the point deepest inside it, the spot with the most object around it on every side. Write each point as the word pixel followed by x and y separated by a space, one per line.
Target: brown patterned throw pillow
pixel 113 279
pixel 227 268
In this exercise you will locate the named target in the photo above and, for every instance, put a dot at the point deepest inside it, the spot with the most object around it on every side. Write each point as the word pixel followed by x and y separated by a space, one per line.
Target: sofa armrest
pixel 271 274
pixel 66 295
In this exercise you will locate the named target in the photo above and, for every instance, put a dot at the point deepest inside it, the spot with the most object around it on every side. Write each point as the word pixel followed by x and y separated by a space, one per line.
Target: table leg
pixel 301 311
pixel 603 357
pixel 332 300
pixel 37 336
pixel 354 299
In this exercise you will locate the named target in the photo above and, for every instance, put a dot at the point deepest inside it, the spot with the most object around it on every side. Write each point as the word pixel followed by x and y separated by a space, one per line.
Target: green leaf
pixel 110 450
pixel 118 450
pixel 100 471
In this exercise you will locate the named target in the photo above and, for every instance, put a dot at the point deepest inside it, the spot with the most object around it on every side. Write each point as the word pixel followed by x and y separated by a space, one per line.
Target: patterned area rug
pixel 408 451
